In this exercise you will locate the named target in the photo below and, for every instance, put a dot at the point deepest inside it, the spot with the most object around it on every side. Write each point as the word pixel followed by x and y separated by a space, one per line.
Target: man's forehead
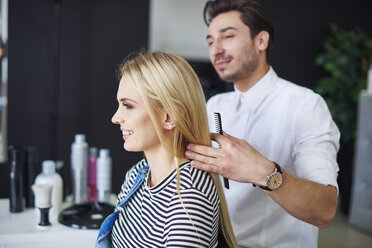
pixel 224 20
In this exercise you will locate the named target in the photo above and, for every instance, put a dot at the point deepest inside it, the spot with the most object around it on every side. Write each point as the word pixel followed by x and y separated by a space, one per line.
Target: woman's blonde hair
pixel 167 81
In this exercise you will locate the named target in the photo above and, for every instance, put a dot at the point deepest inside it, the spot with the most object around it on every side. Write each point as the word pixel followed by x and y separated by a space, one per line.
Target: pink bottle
pixel 92 174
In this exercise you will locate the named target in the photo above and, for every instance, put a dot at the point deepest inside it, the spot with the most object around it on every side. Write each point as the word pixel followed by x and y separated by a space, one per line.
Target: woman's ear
pixel 168 124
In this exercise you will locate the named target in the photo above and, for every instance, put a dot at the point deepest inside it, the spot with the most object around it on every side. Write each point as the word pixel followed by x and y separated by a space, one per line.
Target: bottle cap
pixel 49 167
pixel 79 138
pixel 104 152
pixel 93 151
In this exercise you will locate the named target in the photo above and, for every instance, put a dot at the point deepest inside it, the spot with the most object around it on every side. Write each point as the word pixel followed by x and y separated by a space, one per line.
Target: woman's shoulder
pixel 130 177
pixel 132 172
pixel 196 179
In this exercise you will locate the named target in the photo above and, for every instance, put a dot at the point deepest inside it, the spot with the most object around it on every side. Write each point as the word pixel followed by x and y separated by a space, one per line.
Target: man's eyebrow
pixel 222 31
pixel 227 28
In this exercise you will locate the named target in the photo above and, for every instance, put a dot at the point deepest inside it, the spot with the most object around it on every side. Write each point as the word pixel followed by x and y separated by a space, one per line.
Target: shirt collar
pixel 253 97
pixel 165 181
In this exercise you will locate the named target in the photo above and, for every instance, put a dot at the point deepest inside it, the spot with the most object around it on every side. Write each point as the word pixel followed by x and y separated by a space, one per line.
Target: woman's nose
pixel 115 118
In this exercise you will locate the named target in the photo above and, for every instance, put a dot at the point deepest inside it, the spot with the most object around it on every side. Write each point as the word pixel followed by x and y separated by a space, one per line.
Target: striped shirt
pixel 156 217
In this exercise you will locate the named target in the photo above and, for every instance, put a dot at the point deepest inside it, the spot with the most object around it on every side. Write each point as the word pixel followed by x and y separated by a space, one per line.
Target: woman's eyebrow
pixel 127 99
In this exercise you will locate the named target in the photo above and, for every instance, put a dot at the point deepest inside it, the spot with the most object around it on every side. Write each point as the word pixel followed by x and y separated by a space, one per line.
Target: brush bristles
pixel 217 122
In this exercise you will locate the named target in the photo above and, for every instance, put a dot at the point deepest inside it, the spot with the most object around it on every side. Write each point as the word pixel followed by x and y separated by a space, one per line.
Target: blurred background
pixel 59 61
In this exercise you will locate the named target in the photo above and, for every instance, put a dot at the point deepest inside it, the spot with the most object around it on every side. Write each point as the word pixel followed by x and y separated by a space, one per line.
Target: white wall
pixel 178 26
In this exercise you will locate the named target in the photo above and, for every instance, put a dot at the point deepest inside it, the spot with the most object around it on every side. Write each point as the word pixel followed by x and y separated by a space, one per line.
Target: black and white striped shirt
pixel 155 217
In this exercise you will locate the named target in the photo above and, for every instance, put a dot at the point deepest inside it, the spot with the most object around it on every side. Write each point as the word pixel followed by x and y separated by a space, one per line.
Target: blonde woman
pixel 161 108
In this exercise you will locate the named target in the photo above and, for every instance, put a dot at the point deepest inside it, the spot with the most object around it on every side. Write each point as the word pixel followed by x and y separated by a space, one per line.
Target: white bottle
pixel 104 168
pixel 49 176
pixel 79 164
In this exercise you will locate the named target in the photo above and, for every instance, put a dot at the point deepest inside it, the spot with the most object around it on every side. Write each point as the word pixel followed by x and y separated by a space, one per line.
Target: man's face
pixel 232 51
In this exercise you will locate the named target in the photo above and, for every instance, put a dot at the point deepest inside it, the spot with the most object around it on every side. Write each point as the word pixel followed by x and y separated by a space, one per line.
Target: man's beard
pixel 244 71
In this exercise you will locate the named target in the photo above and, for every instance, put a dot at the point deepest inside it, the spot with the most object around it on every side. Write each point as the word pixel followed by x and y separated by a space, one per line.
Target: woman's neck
pixel 161 163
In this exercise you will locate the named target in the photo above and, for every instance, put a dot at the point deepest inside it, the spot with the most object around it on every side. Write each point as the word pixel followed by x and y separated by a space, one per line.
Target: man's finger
pixel 204 167
pixel 199 157
pixel 221 139
pixel 229 136
pixel 203 150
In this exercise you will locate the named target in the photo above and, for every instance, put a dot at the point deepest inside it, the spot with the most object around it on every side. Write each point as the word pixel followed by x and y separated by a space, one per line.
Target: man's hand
pixel 306 200
pixel 236 159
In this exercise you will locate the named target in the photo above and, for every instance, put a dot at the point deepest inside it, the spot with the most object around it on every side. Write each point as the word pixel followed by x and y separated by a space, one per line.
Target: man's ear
pixel 262 40
pixel 168 124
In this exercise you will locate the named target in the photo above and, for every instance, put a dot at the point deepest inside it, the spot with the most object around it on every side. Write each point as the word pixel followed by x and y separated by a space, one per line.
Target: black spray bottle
pixel 16 165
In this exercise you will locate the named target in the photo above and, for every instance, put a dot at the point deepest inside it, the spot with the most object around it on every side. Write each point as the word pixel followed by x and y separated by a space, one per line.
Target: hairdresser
pixel 281 155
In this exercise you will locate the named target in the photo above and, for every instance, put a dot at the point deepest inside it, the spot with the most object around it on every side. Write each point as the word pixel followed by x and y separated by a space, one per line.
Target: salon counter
pixel 21 230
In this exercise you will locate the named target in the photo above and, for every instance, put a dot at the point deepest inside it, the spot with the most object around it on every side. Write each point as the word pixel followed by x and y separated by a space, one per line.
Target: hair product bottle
pixel 79 164
pixel 104 168
pixel 49 176
pixel 92 174
pixel 16 164
pixel 31 169
pixel 43 195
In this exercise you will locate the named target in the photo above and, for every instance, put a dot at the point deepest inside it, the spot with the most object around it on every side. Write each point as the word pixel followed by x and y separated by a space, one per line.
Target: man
pixel 286 141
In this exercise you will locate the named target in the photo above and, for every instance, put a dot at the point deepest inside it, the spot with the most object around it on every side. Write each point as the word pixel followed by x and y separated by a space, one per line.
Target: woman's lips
pixel 126 134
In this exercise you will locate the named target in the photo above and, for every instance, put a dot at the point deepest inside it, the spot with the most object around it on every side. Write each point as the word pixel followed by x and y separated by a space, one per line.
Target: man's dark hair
pixel 253 15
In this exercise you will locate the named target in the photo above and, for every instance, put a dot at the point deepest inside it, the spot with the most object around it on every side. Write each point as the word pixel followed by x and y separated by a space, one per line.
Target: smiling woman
pixel 161 108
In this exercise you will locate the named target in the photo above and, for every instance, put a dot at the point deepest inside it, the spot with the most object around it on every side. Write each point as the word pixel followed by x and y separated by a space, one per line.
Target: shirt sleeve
pixel 317 143
pixel 191 221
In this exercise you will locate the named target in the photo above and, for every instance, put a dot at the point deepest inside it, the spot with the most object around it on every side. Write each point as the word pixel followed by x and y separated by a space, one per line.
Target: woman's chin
pixel 129 148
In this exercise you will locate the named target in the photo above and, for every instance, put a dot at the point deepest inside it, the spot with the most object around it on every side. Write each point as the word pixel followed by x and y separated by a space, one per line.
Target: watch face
pixel 275 181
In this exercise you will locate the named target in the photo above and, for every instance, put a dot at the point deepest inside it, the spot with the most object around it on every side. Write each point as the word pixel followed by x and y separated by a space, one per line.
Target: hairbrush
pixel 218 124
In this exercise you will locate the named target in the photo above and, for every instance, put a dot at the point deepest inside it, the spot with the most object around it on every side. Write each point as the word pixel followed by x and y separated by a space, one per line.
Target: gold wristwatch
pixel 274 180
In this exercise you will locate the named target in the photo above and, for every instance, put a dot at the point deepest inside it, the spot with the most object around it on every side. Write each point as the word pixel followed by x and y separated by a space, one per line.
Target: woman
pixel 161 109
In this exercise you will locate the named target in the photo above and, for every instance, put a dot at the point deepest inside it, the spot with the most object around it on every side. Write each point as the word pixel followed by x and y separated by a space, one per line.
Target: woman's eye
pixel 127 106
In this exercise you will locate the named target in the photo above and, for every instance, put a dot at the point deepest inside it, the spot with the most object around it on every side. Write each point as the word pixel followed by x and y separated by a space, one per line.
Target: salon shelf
pixel 21 230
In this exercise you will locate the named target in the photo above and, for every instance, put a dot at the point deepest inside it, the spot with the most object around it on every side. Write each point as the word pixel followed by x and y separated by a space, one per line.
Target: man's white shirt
pixel 292 126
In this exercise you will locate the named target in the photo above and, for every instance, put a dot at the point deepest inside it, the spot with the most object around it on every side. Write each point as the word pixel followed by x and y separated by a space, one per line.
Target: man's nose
pixel 216 48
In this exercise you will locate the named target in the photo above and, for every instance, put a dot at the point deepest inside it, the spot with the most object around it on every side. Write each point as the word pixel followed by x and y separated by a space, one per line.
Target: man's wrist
pixel 274 180
pixel 267 169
